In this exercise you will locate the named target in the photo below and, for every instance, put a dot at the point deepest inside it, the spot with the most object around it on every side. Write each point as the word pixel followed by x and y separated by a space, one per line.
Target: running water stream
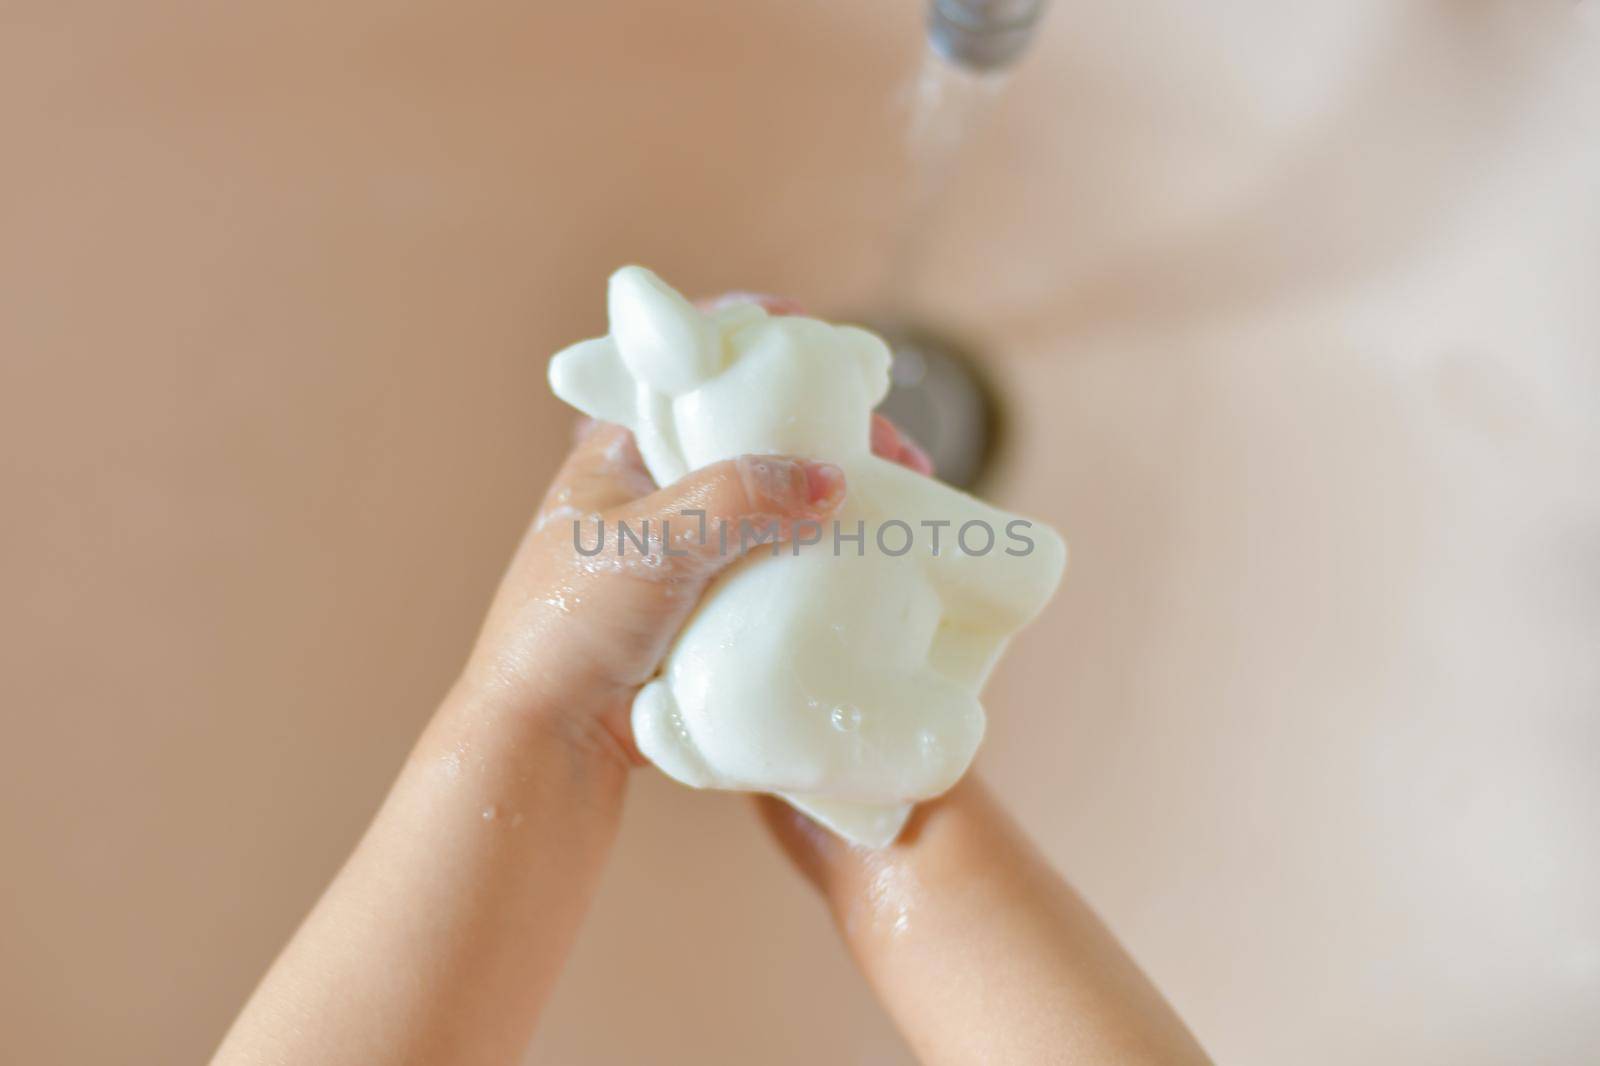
pixel 944 105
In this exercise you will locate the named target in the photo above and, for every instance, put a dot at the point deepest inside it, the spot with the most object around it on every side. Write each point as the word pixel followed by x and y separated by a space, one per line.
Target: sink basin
pixel 1291 316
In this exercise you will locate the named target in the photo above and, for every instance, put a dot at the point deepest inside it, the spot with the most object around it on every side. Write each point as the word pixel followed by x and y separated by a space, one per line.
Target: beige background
pixel 1297 305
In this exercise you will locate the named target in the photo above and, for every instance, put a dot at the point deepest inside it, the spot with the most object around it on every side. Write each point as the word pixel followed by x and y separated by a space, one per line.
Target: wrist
pixel 515 738
pixel 549 687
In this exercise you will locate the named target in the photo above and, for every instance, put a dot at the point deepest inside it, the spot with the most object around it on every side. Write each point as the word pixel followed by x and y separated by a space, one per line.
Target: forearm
pixel 979 951
pixel 441 938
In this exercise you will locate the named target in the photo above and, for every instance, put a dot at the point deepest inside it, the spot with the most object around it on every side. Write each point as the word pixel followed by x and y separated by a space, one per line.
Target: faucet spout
pixel 982 35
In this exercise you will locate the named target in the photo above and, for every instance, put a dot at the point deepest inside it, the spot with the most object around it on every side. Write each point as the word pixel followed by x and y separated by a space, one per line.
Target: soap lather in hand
pixel 842 670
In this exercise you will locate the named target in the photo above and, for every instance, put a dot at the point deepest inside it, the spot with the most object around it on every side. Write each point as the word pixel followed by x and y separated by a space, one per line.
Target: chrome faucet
pixel 982 35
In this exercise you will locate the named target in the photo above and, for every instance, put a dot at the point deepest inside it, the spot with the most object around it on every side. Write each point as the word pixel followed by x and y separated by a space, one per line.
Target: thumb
pixel 703 522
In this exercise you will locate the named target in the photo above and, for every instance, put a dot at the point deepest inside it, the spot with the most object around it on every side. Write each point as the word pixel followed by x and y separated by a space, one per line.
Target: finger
pixel 891 443
pixel 885 438
pixel 772 305
pixel 708 519
pixel 913 457
pixel 602 471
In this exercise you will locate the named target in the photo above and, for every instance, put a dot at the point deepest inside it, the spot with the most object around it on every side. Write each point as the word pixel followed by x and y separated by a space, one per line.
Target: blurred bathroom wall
pixel 1296 310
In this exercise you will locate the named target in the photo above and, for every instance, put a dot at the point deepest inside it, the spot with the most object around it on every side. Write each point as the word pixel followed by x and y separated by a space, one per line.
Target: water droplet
pixel 450 764
pixel 845 718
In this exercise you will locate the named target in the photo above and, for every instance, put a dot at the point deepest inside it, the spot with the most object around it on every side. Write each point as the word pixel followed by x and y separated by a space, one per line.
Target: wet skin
pixel 441 938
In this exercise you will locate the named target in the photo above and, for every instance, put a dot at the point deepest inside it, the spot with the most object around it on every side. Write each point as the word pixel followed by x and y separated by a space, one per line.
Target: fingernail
pixel 789 484
pixel 772 305
pixel 824 483
pixel 771 482
pixel 885 438
pixel 916 458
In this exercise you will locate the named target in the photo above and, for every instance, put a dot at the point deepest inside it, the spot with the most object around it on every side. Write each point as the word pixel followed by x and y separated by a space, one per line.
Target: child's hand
pixel 575 635
pixel 441 938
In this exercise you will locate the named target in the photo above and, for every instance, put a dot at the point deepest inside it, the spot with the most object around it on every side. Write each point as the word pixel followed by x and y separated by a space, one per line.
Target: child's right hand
pixel 574 637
